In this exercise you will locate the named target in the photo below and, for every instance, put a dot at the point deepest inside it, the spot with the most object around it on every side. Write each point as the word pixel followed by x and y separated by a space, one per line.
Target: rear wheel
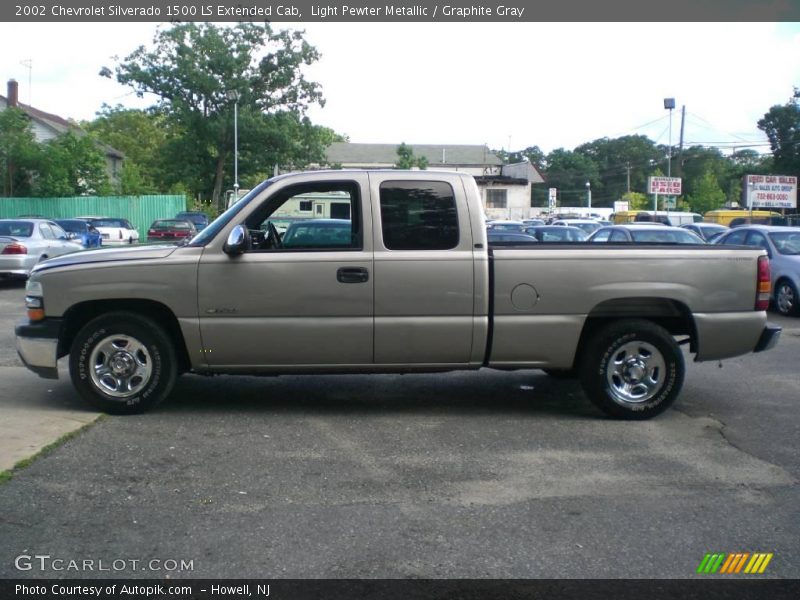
pixel 632 369
pixel 123 363
pixel 786 299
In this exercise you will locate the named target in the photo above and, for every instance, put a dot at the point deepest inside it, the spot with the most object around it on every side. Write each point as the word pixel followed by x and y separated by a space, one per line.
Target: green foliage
pixel 782 126
pixel 71 165
pixel 637 201
pixel 193 67
pixel 569 171
pixel 708 194
pixel 19 153
pixel 407 160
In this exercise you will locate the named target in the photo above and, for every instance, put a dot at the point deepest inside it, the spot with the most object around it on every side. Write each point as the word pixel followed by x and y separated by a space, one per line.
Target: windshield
pixel 786 242
pixel 73 226
pixel 118 223
pixel 208 234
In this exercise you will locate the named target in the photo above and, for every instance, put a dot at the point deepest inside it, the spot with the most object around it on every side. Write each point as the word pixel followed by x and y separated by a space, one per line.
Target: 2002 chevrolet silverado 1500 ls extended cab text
pixel 392 273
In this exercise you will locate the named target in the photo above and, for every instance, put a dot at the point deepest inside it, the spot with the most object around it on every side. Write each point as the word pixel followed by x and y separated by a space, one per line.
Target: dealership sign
pixel 770 191
pixel 670 186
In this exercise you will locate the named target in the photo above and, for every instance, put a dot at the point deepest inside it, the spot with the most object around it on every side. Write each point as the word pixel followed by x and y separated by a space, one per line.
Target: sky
pixel 507 85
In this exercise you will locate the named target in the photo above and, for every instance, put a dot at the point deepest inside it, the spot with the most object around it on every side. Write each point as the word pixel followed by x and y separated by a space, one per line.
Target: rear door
pixel 424 270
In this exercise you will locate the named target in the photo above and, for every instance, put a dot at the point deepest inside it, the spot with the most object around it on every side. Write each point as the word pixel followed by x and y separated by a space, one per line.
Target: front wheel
pixel 632 369
pixel 123 363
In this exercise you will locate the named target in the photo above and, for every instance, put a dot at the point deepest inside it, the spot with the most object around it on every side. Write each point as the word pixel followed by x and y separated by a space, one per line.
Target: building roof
pixel 438 155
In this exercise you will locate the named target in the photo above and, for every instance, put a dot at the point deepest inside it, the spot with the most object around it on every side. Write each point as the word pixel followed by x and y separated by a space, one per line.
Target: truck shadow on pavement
pixel 484 391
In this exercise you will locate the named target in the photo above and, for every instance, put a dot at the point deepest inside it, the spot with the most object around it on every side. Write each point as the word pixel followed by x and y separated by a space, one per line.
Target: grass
pixel 8 474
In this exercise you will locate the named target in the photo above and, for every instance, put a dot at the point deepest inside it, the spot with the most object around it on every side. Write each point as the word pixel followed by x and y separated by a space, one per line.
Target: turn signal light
pixel 15 248
pixel 35 308
pixel 763 286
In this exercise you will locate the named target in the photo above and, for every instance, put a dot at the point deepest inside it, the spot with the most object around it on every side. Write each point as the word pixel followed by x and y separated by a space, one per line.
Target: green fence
pixel 141 211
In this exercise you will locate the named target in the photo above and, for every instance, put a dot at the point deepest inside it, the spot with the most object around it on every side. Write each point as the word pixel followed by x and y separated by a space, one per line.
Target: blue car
pixel 82 231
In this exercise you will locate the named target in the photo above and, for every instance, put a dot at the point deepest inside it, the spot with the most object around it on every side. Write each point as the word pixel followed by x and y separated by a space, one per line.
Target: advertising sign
pixel 770 191
pixel 669 186
pixel 621 205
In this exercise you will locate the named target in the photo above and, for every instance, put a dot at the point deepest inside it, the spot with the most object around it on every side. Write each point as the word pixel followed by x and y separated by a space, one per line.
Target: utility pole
pixel 680 147
pixel 628 169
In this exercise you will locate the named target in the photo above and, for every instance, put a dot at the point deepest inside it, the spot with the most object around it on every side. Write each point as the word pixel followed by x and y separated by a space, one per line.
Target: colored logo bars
pixel 735 562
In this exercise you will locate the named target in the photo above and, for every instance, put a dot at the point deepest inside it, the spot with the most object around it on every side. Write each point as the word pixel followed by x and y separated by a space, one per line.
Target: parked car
pixel 26 242
pixel 113 230
pixel 532 222
pixel 557 233
pixel 707 231
pixel 641 233
pixel 171 230
pixel 509 236
pixel 505 225
pixel 588 225
pixel 783 248
pixel 198 219
pixel 82 231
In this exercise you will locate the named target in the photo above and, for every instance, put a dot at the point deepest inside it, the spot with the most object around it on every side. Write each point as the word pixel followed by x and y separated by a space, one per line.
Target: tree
pixel 407 160
pixel 708 194
pixel 19 153
pixel 193 68
pixel 782 126
pixel 637 201
pixel 71 165
pixel 569 171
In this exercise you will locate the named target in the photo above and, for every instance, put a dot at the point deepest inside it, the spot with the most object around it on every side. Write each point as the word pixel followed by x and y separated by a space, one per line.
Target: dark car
pixel 197 218
pixel 82 231
pixel 557 233
pixel 510 236
pixel 171 230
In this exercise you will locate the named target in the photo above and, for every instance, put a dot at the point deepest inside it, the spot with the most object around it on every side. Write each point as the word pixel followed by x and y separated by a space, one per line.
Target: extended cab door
pixel 303 295
pixel 424 270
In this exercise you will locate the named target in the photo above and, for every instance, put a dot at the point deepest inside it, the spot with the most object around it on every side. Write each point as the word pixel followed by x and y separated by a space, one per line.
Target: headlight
pixel 33 288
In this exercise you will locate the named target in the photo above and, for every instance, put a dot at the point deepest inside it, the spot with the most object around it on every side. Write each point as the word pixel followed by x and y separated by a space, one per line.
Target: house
pixel 47 126
pixel 505 189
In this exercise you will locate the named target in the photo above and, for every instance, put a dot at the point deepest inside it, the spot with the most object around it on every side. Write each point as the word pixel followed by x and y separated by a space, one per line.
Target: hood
pixel 107 255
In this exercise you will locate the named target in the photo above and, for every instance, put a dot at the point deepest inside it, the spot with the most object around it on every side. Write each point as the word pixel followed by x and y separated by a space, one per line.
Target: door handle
pixel 352 275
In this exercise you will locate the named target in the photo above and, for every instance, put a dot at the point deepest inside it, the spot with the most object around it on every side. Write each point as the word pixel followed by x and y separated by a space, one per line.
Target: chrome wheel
pixel 636 373
pixel 120 366
pixel 785 299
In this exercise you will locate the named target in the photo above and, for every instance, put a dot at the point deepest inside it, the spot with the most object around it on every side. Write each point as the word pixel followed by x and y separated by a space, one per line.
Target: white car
pixel 113 230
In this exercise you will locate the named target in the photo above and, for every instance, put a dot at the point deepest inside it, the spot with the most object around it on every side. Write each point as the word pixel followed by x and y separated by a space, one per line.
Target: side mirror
pixel 238 241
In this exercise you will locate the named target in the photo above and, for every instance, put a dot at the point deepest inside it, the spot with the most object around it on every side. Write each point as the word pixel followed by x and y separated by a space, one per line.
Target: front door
pixel 299 298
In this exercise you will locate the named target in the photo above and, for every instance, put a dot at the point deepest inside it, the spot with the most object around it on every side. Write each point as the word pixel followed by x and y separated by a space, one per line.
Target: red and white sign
pixel 668 186
pixel 770 191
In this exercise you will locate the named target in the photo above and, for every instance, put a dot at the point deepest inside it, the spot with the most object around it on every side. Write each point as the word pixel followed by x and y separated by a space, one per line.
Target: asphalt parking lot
pixel 464 475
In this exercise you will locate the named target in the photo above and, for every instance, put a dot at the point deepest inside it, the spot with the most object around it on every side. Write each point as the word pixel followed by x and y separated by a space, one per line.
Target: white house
pixel 505 189
pixel 47 126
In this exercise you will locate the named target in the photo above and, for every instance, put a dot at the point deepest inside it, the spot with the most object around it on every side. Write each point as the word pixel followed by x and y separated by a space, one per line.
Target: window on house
pixel 305 205
pixel 418 215
pixel 496 198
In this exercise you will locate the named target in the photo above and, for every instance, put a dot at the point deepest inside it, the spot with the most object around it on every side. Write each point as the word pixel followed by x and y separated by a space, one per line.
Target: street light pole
pixel 589 194
pixel 234 95
pixel 669 104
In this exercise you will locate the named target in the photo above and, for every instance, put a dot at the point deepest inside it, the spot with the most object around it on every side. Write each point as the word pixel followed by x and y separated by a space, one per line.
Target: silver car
pixel 26 242
pixel 783 248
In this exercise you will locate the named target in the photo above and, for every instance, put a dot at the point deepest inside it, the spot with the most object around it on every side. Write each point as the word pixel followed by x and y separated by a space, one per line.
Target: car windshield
pixel 666 236
pixel 193 217
pixel 786 242
pixel 208 233
pixel 16 228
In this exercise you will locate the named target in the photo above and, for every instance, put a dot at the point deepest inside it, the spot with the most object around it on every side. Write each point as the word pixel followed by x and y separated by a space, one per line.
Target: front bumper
pixel 769 337
pixel 37 346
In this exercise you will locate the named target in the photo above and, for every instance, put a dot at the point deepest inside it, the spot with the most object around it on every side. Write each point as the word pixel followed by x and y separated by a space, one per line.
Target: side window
pixel 618 236
pixel 46 232
pixel 284 223
pixel 418 215
pixel 58 232
pixel 602 235
pixel 757 239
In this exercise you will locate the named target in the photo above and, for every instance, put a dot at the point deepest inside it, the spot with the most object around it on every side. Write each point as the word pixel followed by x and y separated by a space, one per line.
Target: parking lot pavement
pixel 36 412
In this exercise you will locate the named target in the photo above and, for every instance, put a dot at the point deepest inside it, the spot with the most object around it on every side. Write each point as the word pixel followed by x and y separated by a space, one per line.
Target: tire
pixel 632 369
pixel 123 363
pixel 786 300
pixel 562 373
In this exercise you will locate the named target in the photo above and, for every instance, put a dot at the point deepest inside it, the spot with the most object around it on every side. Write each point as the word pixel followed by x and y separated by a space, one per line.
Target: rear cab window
pixel 418 215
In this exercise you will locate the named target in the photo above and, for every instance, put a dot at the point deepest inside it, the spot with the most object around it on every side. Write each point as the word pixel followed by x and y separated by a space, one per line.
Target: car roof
pixel 645 225
pixel 767 228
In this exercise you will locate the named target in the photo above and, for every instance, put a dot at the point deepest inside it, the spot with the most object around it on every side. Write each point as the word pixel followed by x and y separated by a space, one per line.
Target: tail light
pixel 151 232
pixel 762 284
pixel 15 248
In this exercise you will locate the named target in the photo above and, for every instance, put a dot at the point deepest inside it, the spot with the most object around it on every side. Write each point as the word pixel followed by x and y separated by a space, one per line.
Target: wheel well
pixel 80 314
pixel 672 315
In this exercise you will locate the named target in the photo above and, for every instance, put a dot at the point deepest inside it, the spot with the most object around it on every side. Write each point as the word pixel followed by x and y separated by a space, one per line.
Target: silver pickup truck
pixel 389 271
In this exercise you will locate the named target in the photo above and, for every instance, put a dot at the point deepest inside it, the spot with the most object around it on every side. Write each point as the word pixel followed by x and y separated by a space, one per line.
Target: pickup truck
pixel 403 281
